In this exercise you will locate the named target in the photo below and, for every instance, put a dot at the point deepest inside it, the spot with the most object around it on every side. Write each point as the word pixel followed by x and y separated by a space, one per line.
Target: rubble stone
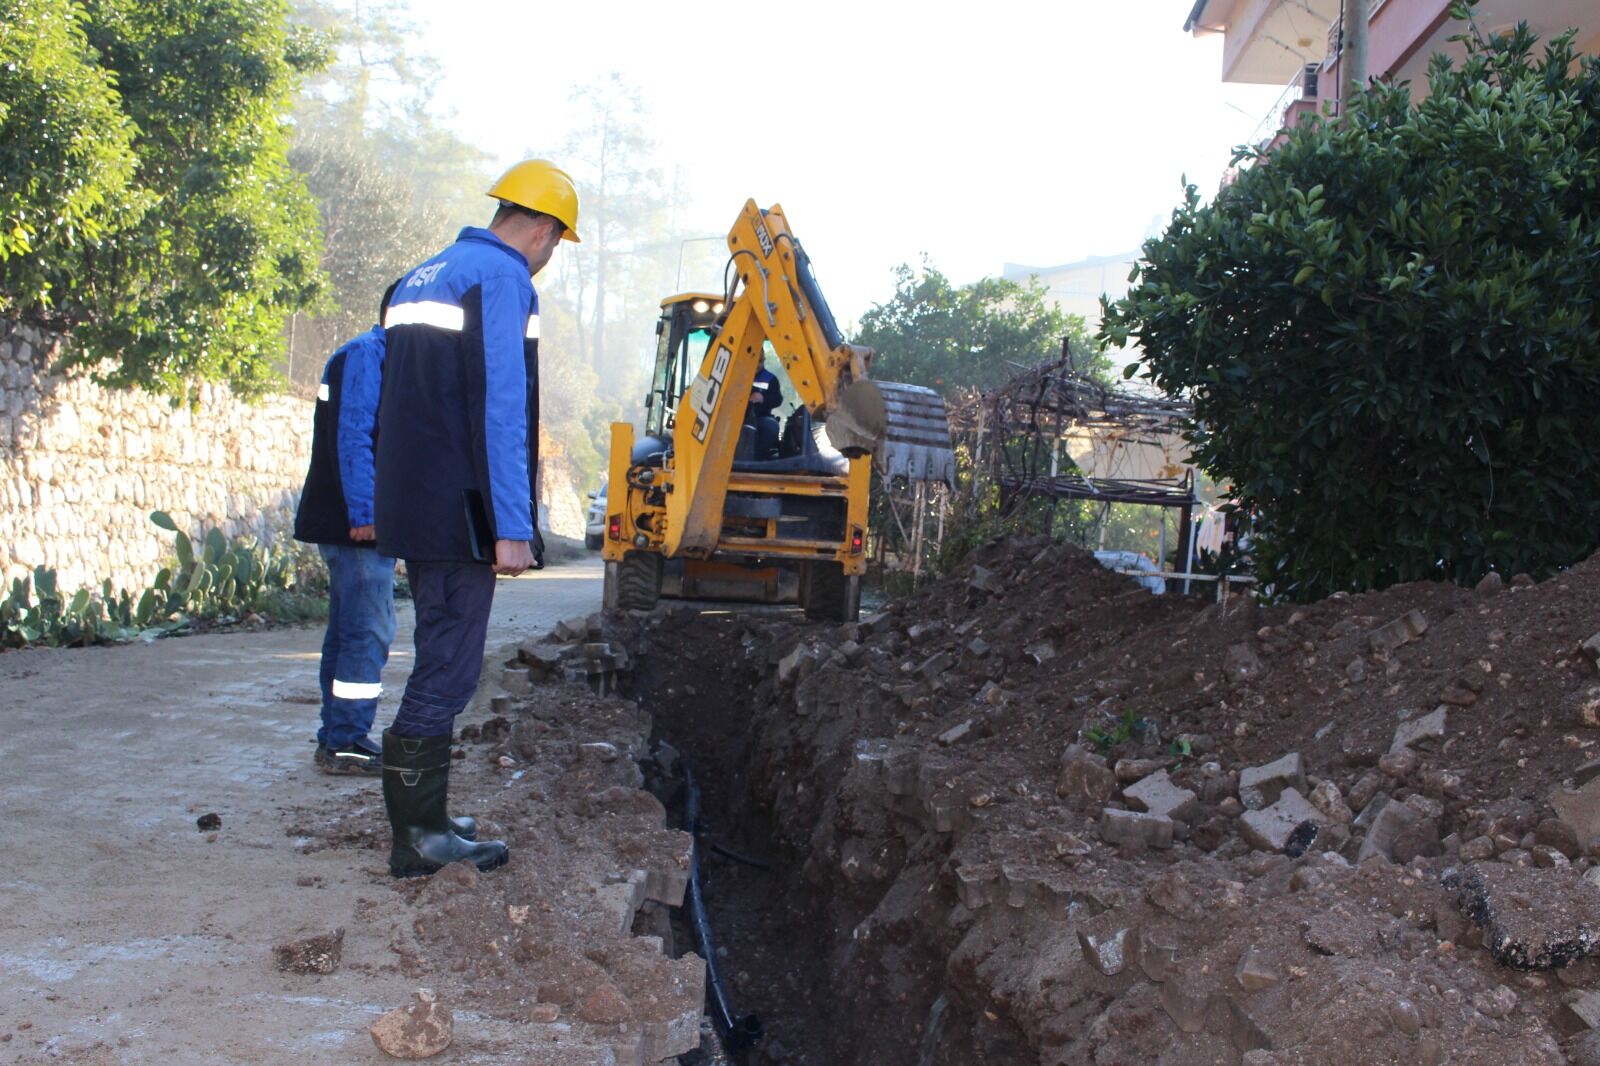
pixel 1242 664
pixel 1107 943
pixel 1157 794
pixel 1585 707
pixel 1255 973
pixel 1131 770
pixel 1260 786
pixel 1326 798
pixel 1490 584
pixel 1591 649
pixel 1364 789
pixel 1399 764
pixel 1135 830
pixel 1430 726
pixel 319 954
pixel 1579 808
pixel 1186 999
pixel 421 1029
pixel 1272 829
pixel 1085 781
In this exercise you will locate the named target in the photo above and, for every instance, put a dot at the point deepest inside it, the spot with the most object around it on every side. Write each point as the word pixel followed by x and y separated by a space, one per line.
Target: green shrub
pixel 214 582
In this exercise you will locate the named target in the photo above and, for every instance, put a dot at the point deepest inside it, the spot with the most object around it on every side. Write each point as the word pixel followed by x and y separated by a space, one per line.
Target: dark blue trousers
pixel 452 602
pixel 356 645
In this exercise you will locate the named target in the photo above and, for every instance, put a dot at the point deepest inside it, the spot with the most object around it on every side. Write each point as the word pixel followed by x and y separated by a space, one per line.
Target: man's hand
pixel 366 533
pixel 756 396
pixel 512 557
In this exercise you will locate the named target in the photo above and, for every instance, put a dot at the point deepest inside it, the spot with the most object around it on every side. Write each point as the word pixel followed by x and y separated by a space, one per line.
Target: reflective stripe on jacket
pixel 459 413
pixel 339 483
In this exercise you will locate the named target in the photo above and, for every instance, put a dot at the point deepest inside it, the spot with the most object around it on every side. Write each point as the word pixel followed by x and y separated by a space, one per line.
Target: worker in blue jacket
pixel 458 438
pixel 335 513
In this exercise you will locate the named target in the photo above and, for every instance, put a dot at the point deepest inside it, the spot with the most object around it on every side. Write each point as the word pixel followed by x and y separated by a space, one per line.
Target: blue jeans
pixel 452 602
pixel 360 630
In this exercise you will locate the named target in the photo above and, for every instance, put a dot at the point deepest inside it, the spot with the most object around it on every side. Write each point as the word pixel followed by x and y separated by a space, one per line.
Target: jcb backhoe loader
pixel 736 504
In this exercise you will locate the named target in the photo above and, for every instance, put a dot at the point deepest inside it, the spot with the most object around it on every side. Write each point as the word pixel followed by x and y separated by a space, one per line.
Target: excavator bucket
pixel 916 443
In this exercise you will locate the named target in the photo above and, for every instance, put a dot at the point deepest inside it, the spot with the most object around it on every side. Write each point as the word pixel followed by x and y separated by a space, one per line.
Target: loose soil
pixel 940 889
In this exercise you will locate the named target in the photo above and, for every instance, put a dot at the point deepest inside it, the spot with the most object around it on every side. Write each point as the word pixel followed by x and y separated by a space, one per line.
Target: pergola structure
pixel 1119 445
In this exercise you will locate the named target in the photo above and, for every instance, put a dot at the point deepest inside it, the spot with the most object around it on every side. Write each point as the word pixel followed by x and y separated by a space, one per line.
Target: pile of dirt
pixel 1036 814
pixel 550 939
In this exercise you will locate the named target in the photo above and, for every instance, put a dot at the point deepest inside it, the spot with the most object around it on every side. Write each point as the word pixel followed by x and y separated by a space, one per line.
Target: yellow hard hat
pixel 540 185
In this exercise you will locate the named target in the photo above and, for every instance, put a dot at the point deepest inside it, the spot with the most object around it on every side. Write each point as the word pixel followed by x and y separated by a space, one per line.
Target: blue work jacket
pixel 338 492
pixel 458 426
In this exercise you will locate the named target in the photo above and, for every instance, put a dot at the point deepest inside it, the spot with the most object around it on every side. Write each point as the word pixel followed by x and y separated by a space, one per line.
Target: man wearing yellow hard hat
pixel 457 460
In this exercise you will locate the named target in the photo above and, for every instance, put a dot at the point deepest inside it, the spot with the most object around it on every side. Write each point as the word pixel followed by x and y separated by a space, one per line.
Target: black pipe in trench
pixel 736 1033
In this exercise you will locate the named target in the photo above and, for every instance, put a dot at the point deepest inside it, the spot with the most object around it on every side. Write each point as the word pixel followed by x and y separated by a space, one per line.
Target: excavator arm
pixel 778 303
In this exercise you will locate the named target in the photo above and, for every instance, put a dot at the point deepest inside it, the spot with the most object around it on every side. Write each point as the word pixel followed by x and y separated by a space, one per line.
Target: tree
pixel 948 337
pixel 66 149
pixel 390 183
pixel 1389 328
pixel 186 270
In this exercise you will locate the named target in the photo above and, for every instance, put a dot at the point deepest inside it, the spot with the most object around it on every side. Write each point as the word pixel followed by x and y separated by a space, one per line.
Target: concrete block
pixel 1157 794
pixel 1135 830
pixel 1260 786
pixel 1273 828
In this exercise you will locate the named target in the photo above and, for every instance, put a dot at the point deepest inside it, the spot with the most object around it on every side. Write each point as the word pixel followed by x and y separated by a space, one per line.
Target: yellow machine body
pixel 692 488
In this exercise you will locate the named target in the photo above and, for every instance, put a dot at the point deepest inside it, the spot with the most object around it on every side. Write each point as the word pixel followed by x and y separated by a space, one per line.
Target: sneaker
pixel 362 757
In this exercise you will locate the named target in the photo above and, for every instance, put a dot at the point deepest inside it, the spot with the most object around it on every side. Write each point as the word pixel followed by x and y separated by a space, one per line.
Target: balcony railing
pixel 1303 87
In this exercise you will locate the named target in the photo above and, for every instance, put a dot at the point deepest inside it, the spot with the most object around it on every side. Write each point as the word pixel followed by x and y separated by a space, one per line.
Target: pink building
pixel 1296 43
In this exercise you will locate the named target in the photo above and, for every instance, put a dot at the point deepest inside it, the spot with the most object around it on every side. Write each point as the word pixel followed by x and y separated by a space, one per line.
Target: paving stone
pixel 1107 943
pixel 1366 787
pixel 1531 919
pixel 1260 786
pixel 955 733
pixel 1157 794
pixel 1591 649
pixel 978 648
pixel 421 1029
pixel 1254 973
pixel 1400 833
pixel 1430 726
pixel 1135 830
pixel 793 666
pixel 516 681
pixel 1158 954
pixel 935 665
pixel 1579 1014
pixel 1271 829
pixel 1041 652
pixel 1130 770
pixel 571 629
pixel 1187 998
pixel 1385 640
pixel 985 580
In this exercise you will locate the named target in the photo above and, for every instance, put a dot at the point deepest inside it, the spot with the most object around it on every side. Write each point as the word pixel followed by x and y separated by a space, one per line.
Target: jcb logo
pixel 706 396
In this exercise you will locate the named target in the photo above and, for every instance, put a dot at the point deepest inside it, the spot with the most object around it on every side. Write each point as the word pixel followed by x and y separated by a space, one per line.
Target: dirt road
pixel 132 937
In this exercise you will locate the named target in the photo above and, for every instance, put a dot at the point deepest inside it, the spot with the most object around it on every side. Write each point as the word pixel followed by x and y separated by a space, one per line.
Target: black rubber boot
pixel 416 785
pixel 365 757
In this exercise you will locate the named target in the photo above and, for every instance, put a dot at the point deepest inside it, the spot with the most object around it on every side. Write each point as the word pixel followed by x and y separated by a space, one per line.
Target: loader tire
pixel 639 581
pixel 829 595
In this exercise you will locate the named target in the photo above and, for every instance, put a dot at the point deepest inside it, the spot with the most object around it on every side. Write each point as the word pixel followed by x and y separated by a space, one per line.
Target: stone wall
pixel 82 467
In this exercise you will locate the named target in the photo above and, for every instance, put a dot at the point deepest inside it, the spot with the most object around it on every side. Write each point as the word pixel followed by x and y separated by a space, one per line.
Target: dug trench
pixel 1036 815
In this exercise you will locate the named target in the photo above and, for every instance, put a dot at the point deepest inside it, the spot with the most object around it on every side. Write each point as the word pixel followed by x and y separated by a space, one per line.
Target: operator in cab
pixel 765 398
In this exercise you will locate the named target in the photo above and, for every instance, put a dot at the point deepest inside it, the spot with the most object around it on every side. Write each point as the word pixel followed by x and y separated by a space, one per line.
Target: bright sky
pixel 980 134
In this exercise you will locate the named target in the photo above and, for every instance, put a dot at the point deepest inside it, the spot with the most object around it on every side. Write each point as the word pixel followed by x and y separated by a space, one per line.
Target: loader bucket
pixel 856 426
pixel 916 443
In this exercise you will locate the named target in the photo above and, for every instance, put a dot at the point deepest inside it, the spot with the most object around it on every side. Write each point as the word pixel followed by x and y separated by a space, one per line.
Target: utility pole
pixel 1353 64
